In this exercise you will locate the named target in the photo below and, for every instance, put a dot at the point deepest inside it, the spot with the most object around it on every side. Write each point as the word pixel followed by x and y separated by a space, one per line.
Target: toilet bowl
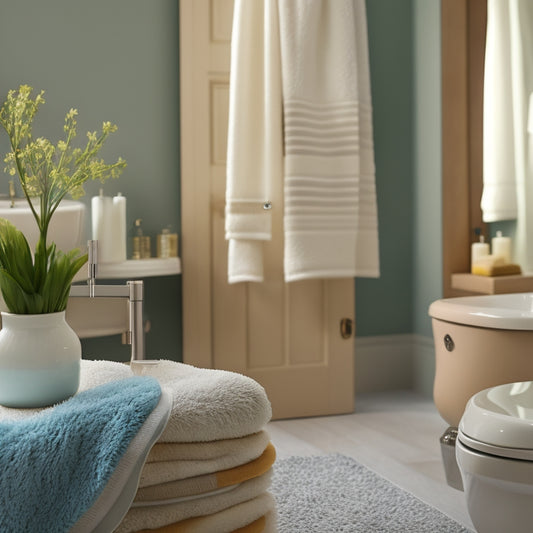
pixel 494 452
pixel 480 342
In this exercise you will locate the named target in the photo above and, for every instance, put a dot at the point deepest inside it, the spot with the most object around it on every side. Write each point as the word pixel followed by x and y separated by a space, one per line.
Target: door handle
pixel 346 328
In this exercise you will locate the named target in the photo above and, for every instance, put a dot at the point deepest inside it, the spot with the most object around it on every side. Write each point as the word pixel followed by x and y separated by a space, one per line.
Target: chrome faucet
pixel 132 290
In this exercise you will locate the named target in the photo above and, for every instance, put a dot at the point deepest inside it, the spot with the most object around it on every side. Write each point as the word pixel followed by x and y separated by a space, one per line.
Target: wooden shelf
pixel 135 269
pixel 493 284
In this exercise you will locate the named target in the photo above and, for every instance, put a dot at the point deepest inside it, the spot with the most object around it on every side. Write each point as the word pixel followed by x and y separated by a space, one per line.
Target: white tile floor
pixel 396 434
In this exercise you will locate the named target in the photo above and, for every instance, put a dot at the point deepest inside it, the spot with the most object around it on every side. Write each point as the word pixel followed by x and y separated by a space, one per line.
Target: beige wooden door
pixel 286 336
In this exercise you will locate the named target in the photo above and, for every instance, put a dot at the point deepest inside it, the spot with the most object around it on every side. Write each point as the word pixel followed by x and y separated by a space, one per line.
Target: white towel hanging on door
pixel 320 79
pixel 255 146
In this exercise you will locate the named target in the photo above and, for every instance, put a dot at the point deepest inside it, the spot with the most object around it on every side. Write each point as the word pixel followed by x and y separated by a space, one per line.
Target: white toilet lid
pixel 499 420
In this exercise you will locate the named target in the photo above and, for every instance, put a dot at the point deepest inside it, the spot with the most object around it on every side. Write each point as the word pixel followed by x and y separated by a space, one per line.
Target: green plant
pixel 47 173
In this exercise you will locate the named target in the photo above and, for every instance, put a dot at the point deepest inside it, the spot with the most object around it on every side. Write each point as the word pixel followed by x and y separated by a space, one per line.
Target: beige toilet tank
pixel 480 342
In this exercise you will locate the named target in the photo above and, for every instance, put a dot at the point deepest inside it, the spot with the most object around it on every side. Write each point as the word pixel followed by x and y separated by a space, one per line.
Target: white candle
pixel 501 246
pixel 119 228
pixel 101 212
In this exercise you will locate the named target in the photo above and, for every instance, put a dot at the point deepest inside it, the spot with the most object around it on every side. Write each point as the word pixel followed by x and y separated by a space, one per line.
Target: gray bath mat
pixel 334 493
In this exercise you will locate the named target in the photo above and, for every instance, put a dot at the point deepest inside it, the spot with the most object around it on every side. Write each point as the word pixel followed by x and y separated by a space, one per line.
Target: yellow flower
pixel 108 127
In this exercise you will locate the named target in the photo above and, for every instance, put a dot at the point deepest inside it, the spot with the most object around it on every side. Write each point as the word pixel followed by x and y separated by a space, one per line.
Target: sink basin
pixel 66 228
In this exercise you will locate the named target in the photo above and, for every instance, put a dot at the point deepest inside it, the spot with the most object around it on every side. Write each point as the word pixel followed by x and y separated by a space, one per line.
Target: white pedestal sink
pixel 67 227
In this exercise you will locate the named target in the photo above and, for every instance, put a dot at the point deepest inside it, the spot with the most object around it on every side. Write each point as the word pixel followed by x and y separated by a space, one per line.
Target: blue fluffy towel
pixel 55 465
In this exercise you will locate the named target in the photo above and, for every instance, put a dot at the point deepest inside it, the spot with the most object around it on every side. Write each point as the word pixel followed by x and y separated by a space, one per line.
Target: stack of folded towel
pixel 210 469
pixel 198 458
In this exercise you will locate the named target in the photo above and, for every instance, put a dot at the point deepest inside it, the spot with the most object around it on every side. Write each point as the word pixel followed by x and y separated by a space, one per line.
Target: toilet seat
pixel 494 452
pixel 499 421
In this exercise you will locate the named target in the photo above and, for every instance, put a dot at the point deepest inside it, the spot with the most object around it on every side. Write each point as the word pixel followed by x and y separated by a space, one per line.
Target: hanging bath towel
pixel 255 145
pixel 300 85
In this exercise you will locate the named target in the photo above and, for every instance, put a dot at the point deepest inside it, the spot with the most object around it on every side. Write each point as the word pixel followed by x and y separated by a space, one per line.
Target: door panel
pixel 286 336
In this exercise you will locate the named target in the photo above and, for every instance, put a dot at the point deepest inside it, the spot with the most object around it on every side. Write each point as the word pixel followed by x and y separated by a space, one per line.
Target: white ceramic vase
pixel 39 360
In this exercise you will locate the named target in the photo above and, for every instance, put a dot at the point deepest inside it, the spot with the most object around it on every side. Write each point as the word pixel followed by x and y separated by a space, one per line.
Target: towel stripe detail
pixel 326 129
pixel 333 203
pixel 329 190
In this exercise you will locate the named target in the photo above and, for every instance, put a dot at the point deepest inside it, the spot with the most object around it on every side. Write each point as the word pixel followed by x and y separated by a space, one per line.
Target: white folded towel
pixel 156 516
pixel 250 445
pixel 155 473
pixel 246 516
pixel 210 404
pixel 236 518
pixel 240 517
pixel 204 484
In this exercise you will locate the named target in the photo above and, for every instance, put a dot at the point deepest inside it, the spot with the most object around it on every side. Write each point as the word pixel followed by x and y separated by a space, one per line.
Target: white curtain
pixel 507 166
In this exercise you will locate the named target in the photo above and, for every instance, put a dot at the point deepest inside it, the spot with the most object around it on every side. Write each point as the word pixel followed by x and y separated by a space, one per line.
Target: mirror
pixel 464 25
pixel 507 199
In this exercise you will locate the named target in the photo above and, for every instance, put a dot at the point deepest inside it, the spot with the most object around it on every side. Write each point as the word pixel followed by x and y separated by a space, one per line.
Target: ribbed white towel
pixel 330 207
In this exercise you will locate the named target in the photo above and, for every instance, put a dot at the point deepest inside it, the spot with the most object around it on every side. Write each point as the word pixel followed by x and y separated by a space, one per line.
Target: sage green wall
pixel 428 179
pixel 384 305
pixel 404 38
pixel 118 60
pixel 112 60
pixel 427 234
